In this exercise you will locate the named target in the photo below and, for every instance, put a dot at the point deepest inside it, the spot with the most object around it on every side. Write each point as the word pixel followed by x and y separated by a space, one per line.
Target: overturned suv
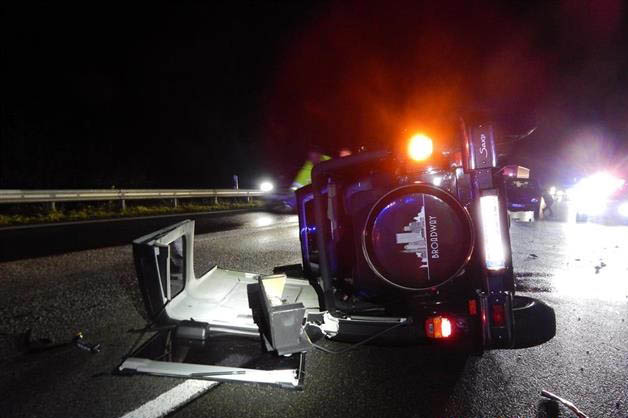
pixel 425 241
pixel 395 249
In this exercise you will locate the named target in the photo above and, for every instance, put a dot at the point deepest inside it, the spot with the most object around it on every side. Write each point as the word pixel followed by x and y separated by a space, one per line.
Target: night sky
pixel 186 95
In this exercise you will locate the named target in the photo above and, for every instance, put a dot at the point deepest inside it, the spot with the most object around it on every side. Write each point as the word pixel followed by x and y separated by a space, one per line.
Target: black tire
pixel 535 322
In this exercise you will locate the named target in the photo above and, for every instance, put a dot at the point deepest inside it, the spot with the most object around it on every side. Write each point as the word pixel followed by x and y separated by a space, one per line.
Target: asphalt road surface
pixel 18 242
pixel 579 269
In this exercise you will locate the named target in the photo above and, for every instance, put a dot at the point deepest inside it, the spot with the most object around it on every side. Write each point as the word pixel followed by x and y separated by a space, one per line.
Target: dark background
pixel 188 94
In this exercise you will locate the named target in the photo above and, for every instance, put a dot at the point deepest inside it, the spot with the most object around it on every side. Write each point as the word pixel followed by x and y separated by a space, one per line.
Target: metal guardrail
pixel 53 196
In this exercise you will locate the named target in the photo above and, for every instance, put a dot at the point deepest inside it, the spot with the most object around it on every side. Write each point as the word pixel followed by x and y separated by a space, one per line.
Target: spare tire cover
pixel 417 237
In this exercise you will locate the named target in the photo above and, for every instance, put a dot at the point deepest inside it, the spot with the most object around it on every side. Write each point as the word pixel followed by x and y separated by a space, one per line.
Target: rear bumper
pixel 402 331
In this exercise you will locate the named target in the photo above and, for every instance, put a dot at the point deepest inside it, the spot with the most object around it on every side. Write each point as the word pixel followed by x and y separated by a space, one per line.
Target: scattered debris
pixel 569 405
pixel 28 345
pixel 533 256
pixel 80 342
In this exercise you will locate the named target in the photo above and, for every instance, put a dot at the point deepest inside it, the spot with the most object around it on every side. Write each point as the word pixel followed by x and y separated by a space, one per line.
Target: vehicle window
pixel 177 266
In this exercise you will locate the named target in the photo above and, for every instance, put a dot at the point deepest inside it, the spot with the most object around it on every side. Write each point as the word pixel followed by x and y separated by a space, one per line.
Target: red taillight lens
pixel 438 327
pixel 499 316
pixel 473 307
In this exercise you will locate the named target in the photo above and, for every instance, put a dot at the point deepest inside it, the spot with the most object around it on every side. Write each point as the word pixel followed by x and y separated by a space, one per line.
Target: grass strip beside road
pixel 85 213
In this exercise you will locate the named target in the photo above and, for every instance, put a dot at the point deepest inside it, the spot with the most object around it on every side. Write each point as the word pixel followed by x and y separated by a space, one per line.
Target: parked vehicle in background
pixel 601 197
pixel 523 194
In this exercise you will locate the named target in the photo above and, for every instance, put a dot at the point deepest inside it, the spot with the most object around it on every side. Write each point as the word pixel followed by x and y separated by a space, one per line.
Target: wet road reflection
pixel 575 260
pixel 596 262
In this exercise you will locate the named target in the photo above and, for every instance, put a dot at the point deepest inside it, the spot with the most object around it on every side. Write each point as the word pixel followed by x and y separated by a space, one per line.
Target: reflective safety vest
pixel 304 176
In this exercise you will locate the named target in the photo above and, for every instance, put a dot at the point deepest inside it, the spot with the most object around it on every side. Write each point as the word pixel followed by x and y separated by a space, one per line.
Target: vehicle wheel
pixel 535 322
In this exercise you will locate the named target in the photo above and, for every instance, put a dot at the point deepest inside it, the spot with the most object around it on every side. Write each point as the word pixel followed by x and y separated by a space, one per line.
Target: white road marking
pixel 169 401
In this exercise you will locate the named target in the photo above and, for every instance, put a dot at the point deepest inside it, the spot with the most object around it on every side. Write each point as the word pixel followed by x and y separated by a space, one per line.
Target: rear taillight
pixel 499 315
pixel 438 327
pixel 473 307
pixel 494 251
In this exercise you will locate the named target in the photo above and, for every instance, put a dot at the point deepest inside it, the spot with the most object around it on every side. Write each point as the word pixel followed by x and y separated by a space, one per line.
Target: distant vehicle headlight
pixel 599 185
pixel 266 186
pixel 592 207
pixel 534 200
pixel 591 194
pixel 623 209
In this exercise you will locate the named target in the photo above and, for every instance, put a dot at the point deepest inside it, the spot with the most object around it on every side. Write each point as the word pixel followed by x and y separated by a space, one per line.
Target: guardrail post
pixel 123 204
pixel 248 198
pixel 215 200
pixel 53 206
pixel 176 202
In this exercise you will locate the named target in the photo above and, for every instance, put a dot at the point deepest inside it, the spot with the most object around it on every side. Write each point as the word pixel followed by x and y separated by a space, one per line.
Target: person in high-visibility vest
pixel 304 175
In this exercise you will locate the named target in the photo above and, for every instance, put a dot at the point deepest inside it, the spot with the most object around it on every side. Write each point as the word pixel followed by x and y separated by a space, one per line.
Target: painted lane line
pixel 172 400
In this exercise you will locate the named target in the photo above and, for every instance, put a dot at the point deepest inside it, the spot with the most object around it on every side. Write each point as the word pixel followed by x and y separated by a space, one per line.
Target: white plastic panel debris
pixel 164 261
pixel 220 299
pixel 285 378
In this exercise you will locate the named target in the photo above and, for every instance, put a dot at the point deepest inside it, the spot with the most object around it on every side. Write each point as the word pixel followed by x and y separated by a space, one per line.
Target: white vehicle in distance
pixel 601 197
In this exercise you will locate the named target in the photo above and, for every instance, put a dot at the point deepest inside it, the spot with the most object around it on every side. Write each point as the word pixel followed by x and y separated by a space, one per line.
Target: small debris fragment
pixel 79 341
pixel 588 352
pixel 617 404
pixel 577 259
pixel 533 256
pixel 578 318
pixel 581 369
